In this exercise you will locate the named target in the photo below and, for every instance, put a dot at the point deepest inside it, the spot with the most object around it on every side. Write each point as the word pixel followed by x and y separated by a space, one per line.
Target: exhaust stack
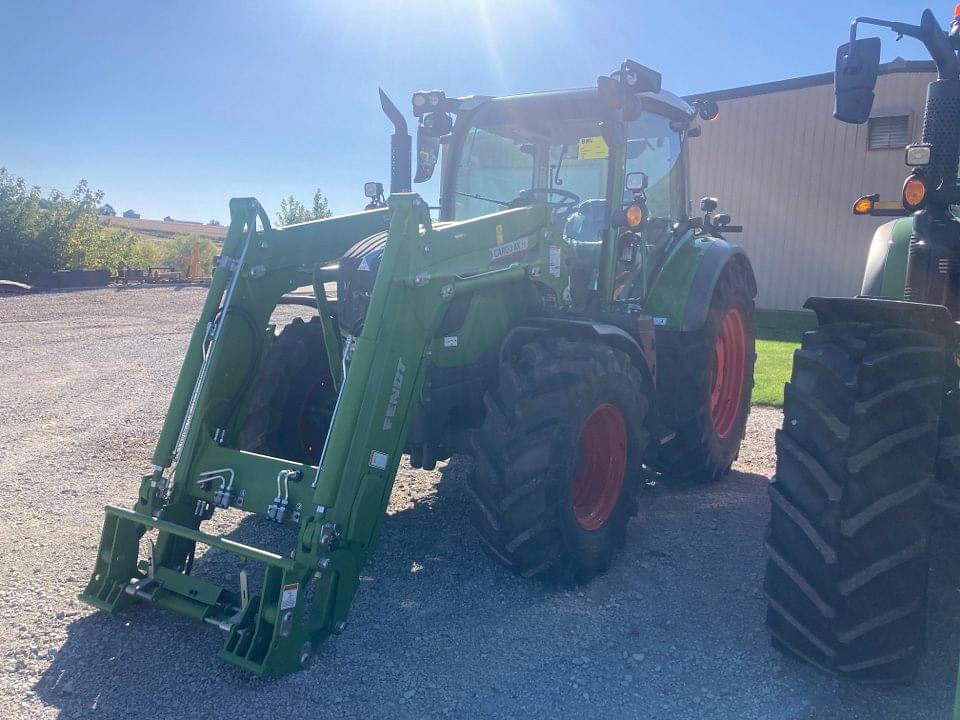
pixel 400 147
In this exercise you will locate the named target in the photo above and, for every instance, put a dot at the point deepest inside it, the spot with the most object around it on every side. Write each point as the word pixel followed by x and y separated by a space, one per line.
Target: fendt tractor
pixel 564 321
pixel 870 444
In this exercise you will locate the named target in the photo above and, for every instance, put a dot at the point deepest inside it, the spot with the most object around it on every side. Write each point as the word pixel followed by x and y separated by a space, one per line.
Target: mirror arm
pixel 929 33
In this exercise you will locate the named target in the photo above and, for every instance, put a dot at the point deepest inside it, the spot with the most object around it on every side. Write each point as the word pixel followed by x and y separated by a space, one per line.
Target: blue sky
pixel 174 107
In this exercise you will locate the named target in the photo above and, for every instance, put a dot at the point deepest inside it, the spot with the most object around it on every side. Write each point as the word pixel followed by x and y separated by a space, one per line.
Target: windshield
pixel 563 161
pixel 493 167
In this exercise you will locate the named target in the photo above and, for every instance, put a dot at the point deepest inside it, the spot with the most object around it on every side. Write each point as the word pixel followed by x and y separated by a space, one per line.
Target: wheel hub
pixel 730 359
pixel 597 487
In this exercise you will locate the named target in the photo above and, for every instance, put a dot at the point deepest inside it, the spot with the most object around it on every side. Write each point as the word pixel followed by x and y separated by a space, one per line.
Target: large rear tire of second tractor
pixel 559 459
pixel 847 567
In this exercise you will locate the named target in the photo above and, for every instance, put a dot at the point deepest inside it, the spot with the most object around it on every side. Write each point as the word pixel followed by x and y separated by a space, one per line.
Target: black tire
pixel 529 456
pixel 699 452
pixel 946 490
pixel 293 397
pixel 846 576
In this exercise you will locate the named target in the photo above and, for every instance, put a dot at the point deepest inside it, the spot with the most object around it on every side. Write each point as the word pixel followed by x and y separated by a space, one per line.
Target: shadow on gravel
pixel 438 629
pixel 130 662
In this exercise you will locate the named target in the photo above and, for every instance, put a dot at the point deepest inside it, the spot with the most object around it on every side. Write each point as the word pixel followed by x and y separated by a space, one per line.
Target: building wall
pixel 789 173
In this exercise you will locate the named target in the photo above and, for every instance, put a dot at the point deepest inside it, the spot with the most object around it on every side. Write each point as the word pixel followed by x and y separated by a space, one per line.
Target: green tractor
pixel 564 321
pixel 870 442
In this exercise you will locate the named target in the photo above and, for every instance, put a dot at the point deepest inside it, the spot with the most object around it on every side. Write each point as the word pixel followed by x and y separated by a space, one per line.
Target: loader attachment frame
pixel 336 506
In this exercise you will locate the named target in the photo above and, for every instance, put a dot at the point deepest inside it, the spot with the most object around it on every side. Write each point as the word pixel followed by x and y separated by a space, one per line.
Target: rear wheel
pixel 716 380
pixel 846 577
pixel 559 458
pixel 293 396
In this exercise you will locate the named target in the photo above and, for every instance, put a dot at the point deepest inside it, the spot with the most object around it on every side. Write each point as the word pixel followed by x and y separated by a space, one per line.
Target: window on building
pixel 888 133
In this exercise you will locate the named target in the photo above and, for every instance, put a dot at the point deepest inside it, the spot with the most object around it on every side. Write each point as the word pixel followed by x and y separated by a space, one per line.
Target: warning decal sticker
pixel 592 148
pixel 555 260
pixel 288 599
pixel 511 248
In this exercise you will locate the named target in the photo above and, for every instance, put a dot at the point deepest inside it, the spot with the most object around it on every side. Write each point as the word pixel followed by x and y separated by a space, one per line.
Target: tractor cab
pixel 608 161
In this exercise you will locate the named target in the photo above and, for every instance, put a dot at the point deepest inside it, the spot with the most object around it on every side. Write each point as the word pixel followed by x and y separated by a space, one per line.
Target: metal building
pixel 789 173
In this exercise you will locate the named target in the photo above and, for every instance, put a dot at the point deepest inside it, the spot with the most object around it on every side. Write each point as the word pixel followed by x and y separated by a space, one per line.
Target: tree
pixel 214 222
pixel 321 208
pixel 42 233
pixel 107 210
pixel 175 252
pixel 293 211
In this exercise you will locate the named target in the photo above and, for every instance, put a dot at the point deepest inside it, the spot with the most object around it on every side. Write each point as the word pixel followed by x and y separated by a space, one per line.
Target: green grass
pixel 778 335
pixel 774 362
pixel 784 324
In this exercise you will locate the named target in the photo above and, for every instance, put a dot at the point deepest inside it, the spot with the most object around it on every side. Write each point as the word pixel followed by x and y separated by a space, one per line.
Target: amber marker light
pixel 914 192
pixel 865 205
pixel 634 216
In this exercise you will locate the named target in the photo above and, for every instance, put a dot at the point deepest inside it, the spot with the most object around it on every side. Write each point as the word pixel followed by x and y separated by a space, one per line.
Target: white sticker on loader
pixel 379 460
pixel 555 260
pixel 450 341
pixel 511 248
pixel 288 599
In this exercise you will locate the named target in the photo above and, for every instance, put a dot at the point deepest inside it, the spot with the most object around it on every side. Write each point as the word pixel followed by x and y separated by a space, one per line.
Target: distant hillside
pixel 169 228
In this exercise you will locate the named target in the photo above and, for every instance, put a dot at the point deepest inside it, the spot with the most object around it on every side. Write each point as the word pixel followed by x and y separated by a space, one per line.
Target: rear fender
pixel 681 293
pixel 637 341
pixel 885 274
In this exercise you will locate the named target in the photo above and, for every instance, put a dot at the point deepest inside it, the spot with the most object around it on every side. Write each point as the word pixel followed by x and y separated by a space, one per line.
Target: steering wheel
pixel 569 201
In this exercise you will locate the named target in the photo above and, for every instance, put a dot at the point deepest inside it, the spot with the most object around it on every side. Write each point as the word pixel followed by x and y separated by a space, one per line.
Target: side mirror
pixel 428 152
pixel 708 204
pixel 432 127
pixel 636 181
pixel 373 189
pixel 858 64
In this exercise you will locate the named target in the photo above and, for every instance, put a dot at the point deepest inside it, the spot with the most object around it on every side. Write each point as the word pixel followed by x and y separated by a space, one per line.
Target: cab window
pixel 655 149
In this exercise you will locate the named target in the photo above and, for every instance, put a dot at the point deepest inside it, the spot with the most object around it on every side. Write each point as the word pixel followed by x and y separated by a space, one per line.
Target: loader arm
pixel 337 506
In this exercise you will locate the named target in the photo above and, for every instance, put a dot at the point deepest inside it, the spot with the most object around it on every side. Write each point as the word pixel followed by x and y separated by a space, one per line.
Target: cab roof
pixel 582 101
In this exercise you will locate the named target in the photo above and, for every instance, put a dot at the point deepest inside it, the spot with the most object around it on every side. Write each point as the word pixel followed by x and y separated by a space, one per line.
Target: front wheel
pixel 559 458
pixel 293 396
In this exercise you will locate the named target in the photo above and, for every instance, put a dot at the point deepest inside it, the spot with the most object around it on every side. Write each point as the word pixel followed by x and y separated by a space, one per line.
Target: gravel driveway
pixel 674 630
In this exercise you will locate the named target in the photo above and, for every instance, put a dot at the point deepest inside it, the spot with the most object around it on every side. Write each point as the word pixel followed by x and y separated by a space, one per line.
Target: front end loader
pixel 565 321
pixel 871 433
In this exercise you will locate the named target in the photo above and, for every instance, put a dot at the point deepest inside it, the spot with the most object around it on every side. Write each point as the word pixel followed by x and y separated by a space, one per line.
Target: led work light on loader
pixel 448 337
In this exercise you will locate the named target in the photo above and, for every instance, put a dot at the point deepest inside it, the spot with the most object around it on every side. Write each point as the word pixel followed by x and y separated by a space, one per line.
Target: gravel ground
pixel 674 630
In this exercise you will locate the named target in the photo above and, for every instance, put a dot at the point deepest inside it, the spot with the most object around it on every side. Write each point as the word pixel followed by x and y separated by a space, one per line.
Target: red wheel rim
pixel 597 487
pixel 730 359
